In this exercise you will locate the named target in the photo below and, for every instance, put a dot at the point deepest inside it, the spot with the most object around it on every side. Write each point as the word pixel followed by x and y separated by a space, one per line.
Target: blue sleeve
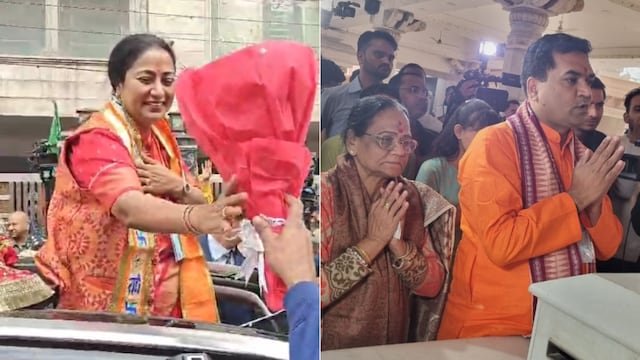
pixel 302 303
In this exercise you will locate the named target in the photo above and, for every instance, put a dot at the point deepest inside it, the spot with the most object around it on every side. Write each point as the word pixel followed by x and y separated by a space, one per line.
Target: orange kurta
pixel 489 293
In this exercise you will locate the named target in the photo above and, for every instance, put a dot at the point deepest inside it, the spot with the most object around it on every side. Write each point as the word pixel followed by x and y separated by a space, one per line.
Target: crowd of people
pixel 430 227
pixel 436 232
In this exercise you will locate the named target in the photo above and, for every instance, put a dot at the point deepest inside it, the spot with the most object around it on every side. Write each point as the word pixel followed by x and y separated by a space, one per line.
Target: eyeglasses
pixel 388 142
pixel 416 90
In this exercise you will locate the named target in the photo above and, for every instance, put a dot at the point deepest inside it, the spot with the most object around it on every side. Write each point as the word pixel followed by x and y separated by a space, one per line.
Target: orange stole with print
pixel 135 272
pixel 131 294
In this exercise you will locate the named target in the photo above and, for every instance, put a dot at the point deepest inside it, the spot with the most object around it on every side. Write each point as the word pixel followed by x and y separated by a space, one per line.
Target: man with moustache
pixel 533 199
pixel 587 133
pixel 376 52
pixel 18 227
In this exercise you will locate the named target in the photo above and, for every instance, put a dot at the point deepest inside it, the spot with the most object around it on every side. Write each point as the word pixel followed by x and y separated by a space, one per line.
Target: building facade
pixel 58 50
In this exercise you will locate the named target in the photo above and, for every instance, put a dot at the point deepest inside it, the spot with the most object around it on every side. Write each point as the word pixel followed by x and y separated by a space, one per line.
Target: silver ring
pixel 224 212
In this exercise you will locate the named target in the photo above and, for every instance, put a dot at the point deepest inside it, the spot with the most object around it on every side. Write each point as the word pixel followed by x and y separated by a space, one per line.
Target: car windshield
pixel 116 318
pixel 244 318
pixel 105 335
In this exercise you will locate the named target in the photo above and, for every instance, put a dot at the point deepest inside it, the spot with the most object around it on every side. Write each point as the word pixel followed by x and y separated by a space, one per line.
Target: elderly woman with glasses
pixel 384 238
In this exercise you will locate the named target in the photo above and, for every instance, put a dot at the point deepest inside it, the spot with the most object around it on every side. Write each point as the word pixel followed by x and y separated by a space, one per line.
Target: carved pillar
pixel 528 20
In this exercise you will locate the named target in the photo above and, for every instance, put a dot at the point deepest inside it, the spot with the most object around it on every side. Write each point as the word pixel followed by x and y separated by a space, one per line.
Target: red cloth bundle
pixel 250 112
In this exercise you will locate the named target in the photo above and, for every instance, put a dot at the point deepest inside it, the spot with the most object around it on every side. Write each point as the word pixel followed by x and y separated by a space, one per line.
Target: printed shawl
pixel 380 309
pixel 540 179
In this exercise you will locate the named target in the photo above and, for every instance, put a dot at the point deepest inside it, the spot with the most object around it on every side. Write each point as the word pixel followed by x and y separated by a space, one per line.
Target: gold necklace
pixel 132 129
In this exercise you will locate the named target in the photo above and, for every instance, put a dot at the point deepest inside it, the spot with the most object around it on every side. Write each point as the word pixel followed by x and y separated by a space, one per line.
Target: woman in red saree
pixel 123 215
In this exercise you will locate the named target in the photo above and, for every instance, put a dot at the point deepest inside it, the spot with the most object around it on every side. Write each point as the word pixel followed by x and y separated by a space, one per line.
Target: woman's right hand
pixel 231 237
pixel 386 213
pixel 219 217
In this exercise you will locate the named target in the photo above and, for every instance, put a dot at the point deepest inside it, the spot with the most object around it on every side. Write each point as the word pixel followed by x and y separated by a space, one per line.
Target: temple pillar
pixel 528 20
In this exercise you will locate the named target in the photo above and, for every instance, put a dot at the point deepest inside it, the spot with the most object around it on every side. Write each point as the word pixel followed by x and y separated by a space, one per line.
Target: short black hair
pixel 407 69
pixel 627 98
pixel 538 59
pixel 330 72
pixel 128 50
pixel 368 36
pixel 597 84
pixel 513 102
pixel 396 81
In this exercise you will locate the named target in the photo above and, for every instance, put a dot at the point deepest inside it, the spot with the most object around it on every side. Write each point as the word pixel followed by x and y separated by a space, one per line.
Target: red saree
pixel 87 241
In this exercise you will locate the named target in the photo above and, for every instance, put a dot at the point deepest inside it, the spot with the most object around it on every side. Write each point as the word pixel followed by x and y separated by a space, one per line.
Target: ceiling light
pixel 631 73
pixel 488 48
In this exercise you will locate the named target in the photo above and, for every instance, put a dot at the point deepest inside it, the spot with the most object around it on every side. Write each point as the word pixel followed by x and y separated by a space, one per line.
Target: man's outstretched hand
pixel 290 254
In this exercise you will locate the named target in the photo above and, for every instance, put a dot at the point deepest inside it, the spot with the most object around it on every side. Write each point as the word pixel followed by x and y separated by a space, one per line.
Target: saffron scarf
pixel 540 179
pixel 135 274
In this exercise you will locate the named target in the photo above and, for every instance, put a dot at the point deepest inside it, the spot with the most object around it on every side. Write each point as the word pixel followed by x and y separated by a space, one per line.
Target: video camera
pixel 480 76
pixel 498 99
pixel 346 9
pixel 631 169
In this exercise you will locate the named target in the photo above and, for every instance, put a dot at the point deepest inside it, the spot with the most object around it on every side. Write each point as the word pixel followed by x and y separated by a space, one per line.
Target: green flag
pixel 54 132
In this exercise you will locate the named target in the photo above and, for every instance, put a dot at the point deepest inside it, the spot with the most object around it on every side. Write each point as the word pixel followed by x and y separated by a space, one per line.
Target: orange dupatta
pixel 135 274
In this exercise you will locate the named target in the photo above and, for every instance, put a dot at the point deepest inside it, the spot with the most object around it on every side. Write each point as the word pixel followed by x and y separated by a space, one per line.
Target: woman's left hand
pixel 232 235
pixel 156 179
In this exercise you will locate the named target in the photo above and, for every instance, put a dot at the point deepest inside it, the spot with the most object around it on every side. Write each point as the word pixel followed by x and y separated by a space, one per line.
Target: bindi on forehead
pixel 402 127
pixel 390 121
